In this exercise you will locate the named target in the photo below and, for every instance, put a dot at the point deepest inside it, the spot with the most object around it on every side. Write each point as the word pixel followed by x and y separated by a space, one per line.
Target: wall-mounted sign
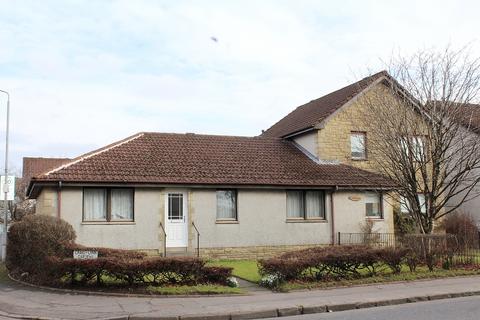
pixel 10 187
pixel 85 254
pixel 355 198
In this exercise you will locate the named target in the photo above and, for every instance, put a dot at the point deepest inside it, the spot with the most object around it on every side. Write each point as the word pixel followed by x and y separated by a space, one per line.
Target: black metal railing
pixel 198 238
pixel 463 250
pixel 164 240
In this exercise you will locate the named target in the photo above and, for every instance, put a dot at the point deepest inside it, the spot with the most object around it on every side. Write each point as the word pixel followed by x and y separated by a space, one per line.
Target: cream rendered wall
pixel 309 141
pixel 261 221
pixel 143 233
pixel 47 202
pixel 350 214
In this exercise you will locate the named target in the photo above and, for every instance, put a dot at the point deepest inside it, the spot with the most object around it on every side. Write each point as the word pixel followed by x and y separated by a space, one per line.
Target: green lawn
pixel 199 289
pixel 245 269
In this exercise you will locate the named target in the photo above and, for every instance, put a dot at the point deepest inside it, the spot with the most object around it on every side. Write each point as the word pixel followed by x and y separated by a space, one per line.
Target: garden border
pixel 119 294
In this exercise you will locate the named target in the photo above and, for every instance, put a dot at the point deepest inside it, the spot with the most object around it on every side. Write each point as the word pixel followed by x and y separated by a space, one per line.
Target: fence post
pixel 338 238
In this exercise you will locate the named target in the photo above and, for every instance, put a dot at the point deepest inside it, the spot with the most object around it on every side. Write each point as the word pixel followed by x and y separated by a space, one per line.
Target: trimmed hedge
pixel 40 250
pixel 332 262
pixel 151 271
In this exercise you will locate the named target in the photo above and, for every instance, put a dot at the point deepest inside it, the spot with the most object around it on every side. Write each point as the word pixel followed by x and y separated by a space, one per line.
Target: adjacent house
pixel 298 184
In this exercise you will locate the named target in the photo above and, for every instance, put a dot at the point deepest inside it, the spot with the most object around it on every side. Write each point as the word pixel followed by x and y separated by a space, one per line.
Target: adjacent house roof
pixel 36 166
pixel 166 158
pixel 308 115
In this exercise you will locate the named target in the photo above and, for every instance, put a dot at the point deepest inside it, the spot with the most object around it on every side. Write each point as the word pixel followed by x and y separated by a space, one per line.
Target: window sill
pixel 226 221
pixel 375 218
pixel 307 221
pixel 108 223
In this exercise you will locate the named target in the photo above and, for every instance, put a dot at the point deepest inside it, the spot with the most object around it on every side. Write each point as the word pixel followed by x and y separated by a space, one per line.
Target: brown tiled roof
pixel 35 166
pixel 312 113
pixel 166 158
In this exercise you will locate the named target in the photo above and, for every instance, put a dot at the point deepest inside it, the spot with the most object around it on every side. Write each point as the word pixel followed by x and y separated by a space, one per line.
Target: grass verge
pixel 245 269
pixel 421 273
pixel 4 274
pixel 199 289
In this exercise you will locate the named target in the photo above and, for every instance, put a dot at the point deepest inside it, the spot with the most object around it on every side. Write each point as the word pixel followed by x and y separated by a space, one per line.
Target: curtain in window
pixel 95 204
pixel 226 204
pixel 294 204
pixel 372 204
pixel 122 204
pixel 314 204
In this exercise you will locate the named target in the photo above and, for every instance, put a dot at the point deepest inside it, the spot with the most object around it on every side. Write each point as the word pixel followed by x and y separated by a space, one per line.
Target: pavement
pixel 25 302
pixel 466 308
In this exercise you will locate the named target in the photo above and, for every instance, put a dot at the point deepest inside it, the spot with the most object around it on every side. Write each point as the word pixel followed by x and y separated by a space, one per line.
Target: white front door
pixel 176 217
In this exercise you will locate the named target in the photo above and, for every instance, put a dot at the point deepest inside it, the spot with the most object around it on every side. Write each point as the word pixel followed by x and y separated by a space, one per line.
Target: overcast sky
pixel 83 74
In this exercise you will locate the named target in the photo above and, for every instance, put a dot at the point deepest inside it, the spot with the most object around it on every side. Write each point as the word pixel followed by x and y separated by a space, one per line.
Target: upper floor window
pixel 305 204
pixel 358 145
pixel 226 205
pixel 373 205
pixel 108 204
pixel 416 144
pixel 405 204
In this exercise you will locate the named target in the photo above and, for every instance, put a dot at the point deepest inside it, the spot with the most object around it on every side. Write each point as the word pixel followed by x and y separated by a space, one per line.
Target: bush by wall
pixel 33 239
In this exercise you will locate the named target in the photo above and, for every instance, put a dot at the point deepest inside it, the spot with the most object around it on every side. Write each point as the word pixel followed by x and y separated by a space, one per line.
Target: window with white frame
pixel 227 205
pixel 358 145
pixel 405 204
pixel 373 205
pixel 305 204
pixel 416 144
pixel 108 204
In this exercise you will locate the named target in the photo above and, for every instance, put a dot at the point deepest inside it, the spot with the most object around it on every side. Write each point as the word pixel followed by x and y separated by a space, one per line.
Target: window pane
pixel 357 143
pixel 175 206
pixel 423 205
pixel 294 204
pixel 418 148
pixel 372 204
pixel 122 204
pixel 94 204
pixel 226 204
pixel 315 204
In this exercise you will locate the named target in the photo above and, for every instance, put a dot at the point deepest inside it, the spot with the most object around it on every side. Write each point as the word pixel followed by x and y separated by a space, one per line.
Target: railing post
pixel 198 239
pixel 338 238
pixel 164 240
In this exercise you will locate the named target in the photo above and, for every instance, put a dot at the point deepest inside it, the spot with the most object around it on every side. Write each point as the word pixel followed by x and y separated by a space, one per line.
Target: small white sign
pixel 85 254
pixel 10 187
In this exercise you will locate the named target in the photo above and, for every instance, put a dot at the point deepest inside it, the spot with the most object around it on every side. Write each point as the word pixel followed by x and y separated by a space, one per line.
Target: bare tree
pixel 420 137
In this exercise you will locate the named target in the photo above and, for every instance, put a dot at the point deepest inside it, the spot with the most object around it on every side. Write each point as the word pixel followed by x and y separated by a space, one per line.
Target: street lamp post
pixel 5 186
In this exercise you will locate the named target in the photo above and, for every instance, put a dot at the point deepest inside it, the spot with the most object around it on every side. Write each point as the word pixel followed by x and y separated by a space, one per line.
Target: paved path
pixel 22 300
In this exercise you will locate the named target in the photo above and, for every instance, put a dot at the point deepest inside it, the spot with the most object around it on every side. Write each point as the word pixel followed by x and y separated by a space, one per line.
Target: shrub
pixel 463 226
pixel 333 261
pixel 157 271
pixel 33 239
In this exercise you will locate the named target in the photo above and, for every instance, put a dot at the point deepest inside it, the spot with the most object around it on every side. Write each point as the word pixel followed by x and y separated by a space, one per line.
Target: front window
pixel 358 145
pixel 373 205
pixel 105 204
pixel 305 204
pixel 226 205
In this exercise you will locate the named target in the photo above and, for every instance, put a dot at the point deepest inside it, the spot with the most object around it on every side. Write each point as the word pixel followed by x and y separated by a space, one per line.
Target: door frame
pixel 184 192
